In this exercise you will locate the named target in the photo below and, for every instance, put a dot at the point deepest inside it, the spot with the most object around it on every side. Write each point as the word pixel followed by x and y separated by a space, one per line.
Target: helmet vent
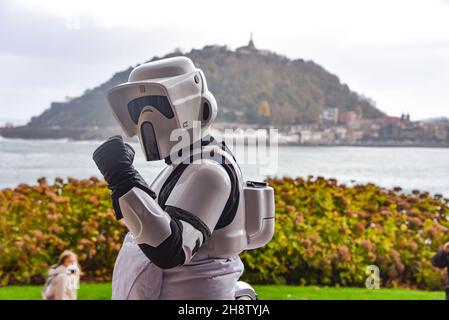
pixel 206 111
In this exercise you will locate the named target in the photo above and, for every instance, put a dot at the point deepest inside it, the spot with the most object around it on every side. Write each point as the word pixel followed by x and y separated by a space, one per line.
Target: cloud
pixel 43 60
pixel 396 52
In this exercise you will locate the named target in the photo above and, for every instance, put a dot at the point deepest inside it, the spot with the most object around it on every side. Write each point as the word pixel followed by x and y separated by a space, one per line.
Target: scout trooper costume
pixel 188 227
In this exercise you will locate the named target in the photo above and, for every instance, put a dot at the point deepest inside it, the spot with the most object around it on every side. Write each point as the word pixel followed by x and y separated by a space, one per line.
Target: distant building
pixel 349 116
pixel 436 131
pixel 412 133
pixel 249 48
pixel 371 130
pixel 405 117
pixel 329 115
pixel 402 129
pixel 310 136
pixel 328 136
pixel 305 136
pixel 356 135
pixel 340 133
pixel 389 128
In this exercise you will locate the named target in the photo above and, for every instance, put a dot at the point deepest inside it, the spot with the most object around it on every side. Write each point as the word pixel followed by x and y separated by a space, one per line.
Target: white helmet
pixel 160 97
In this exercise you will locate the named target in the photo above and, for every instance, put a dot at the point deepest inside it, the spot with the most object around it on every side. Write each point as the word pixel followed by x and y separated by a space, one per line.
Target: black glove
pixel 114 159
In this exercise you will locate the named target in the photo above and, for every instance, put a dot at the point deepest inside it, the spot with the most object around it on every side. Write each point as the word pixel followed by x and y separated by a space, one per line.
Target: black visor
pixel 159 102
pixel 149 141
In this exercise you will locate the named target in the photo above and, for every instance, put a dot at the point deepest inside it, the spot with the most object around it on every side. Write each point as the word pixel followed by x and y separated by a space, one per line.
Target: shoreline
pixel 82 136
pixel 373 145
pixel 299 145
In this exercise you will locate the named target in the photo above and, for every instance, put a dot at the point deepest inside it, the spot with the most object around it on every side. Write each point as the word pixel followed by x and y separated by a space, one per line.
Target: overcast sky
pixel 393 51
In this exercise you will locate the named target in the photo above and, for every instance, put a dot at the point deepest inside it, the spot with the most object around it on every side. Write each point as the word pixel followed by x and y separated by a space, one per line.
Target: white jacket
pixel 62 284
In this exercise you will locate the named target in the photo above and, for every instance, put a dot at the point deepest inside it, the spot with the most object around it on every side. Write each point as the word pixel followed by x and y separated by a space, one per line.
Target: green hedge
pixel 326 233
pixel 39 222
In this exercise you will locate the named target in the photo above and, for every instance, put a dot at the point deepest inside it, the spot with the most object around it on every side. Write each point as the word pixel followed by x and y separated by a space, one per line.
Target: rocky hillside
pixel 251 86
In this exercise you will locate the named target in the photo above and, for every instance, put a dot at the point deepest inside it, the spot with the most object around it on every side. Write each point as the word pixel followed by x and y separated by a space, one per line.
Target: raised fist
pixel 114 158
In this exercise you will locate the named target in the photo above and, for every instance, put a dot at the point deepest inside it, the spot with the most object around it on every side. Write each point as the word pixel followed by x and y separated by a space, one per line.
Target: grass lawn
pixel 102 291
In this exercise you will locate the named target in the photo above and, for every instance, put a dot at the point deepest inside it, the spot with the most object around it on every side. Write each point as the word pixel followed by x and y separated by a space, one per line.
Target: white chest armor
pixel 253 224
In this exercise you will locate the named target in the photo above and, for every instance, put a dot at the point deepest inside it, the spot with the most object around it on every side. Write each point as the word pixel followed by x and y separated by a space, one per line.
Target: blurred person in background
pixel 441 260
pixel 63 278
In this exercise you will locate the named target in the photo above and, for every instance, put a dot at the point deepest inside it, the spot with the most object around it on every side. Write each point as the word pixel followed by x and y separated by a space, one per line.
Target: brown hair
pixel 63 256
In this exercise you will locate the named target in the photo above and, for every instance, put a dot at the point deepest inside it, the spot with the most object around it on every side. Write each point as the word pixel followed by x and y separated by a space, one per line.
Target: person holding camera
pixel 63 278
pixel 441 260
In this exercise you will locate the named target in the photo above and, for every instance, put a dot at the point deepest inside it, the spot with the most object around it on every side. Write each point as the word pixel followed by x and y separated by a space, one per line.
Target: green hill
pixel 244 81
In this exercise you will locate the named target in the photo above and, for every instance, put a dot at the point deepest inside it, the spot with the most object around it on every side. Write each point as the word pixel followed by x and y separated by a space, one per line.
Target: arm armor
pixel 171 237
